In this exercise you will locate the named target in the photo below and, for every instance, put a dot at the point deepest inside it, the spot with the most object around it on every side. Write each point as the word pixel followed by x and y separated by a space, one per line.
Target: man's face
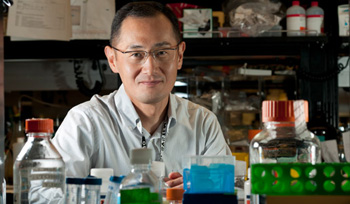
pixel 149 81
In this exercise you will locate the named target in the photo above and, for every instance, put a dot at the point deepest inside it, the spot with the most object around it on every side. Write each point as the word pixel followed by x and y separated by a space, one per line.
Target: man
pixel 146 50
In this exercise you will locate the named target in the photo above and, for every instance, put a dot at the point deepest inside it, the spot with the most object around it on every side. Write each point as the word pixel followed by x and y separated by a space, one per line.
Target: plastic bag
pixel 254 17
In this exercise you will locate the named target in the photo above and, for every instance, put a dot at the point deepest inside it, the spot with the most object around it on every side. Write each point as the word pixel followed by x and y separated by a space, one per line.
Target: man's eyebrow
pixel 160 44
pixel 135 46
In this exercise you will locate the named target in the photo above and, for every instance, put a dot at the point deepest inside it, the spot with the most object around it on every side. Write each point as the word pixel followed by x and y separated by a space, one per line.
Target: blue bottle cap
pixel 75 180
pixel 116 179
pixel 90 180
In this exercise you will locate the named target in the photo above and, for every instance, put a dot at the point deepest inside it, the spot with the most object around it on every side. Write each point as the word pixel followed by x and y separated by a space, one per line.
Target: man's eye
pixel 136 54
pixel 161 53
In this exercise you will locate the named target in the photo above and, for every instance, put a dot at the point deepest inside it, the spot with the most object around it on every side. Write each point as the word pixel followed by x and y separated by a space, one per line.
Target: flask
pixel 285 137
pixel 39 170
pixel 314 19
pixel 174 195
pixel 113 190
pixel 141 184
pixel 296 21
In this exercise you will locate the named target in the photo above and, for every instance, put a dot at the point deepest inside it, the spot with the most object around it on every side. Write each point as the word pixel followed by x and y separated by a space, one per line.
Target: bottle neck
pixel 39 135
pixel 285 129
pixel 140 167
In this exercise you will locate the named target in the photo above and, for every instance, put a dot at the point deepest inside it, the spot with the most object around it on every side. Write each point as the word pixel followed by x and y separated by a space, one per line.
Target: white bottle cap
pixel 104 174
pixel 141 156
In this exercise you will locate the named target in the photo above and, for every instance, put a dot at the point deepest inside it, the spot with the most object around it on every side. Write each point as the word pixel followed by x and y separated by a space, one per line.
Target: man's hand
pixel 174 180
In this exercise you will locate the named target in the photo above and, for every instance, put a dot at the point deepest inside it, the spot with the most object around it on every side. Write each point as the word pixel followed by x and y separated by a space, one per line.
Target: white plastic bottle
pixel 104 174
pixel 314 19
pixel 296 21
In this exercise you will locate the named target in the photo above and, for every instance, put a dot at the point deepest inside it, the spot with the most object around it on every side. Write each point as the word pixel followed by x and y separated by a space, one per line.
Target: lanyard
pixel 162 139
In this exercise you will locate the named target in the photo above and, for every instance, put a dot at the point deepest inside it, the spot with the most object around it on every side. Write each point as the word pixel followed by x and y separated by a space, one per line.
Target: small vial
pixel 73 190
pixel 91 190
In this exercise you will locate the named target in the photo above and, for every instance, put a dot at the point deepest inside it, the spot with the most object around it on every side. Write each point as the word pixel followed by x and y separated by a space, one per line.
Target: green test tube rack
pixel 301 179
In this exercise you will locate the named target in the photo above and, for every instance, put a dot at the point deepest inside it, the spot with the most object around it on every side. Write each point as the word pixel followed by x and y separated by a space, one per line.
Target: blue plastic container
pixel 209 174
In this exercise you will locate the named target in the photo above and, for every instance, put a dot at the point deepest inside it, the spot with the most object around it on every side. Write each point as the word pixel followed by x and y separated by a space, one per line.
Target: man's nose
pixel 150 65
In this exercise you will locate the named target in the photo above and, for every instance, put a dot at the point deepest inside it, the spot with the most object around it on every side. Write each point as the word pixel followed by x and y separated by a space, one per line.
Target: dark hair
pixel 143 9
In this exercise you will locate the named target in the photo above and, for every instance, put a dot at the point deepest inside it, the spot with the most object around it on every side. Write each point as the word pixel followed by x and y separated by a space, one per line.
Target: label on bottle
pixel 314 23
pixel 296 22
pixel 50 181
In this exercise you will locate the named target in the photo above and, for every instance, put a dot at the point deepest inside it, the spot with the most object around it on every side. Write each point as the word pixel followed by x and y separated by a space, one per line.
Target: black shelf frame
pixel 317 55
pixel 195 47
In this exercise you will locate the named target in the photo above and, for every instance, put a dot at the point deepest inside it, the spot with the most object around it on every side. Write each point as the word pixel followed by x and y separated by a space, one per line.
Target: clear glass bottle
pixel 285 137
pixel 141 184
pixel 39 170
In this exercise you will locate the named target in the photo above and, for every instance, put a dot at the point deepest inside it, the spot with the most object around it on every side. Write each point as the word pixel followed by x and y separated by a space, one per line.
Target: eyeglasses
pixel 163 55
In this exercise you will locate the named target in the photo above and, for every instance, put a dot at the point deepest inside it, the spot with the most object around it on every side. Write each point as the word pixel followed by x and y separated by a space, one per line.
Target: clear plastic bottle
pixel 174 195
pixel 314 19
pixel 296 21
pixel 285 137
pixel 141 184
pixel 39 170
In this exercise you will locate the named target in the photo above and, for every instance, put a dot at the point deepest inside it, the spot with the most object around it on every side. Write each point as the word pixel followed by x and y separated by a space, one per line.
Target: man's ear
pixel 181 51
pixel 111 58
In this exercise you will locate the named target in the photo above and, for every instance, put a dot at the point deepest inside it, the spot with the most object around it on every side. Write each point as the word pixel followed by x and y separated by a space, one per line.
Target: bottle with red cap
pixel 39 171
pixel 314 19
pixel 296 21
pixel 285 137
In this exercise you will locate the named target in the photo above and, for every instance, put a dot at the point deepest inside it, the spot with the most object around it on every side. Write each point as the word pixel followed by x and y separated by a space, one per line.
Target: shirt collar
pixel 172 106
pixel 125 106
